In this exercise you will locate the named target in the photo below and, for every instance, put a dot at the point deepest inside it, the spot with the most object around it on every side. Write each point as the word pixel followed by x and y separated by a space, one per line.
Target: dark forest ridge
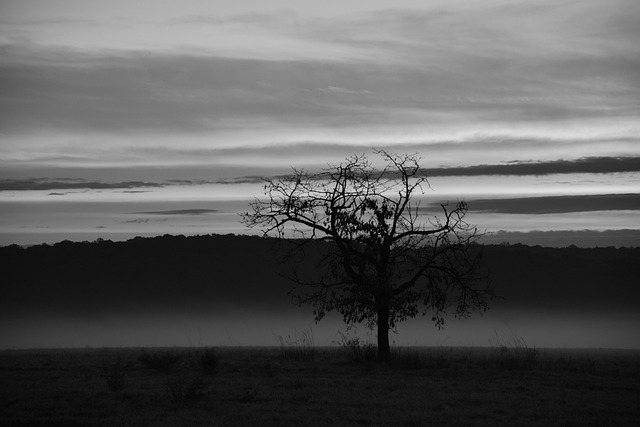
pixel 202 272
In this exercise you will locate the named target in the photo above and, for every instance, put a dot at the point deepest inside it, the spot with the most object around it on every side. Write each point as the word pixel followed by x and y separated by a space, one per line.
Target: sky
pixel 141 118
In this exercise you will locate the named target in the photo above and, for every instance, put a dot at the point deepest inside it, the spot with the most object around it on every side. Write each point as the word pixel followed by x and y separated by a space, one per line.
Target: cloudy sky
pixel 121 118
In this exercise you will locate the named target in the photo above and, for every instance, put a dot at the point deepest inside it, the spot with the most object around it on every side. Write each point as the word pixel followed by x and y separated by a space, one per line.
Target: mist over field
pixel 233 290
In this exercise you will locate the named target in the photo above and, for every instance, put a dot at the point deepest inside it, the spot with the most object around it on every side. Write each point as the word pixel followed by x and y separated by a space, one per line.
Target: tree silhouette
pixel 387 260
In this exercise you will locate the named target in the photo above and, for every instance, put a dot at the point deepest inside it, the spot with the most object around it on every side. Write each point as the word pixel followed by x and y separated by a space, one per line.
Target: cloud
pixel 439 158
pixel 582 165
pixel 451 65
pixel 490 83
pixel 181 212
pixel 600 165
pixel 121 93
pixel 580 238
pixel 341 90
pixel 143 220
pixel 557 204
pixel 68 183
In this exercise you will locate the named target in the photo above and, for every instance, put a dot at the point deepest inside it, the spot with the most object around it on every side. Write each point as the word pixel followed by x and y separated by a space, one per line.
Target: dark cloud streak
pixel 558 204
pixel 69 184
pixel 583 165
pixel 562 238
pixel 181 212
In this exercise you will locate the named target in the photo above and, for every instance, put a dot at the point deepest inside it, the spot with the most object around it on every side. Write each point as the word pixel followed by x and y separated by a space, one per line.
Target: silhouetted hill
pixel 215 272
pixel 565 278
pixel 168 272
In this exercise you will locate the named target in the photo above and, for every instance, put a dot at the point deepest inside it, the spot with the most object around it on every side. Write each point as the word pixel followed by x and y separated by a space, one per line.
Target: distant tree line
pixel 207 272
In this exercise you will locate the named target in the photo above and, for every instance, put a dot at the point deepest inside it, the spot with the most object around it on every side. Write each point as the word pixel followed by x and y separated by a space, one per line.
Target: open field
pixel 303 385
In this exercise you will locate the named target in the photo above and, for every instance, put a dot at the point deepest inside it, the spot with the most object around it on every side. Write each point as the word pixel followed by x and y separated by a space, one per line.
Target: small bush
pixel 207 361
pixel 410 358
pixel 297 345
pixel 185 388
pixel 438 359
pixel 514 352
pixel 249 395
pixel 357 350
pixel 163 361
pixel 267 369
pixel 114 373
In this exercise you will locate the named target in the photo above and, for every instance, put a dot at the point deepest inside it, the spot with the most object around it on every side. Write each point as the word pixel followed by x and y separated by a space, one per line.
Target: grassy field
pixel 294 385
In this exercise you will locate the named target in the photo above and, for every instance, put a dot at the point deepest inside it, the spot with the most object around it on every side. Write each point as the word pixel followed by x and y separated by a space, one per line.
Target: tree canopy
pixel 389 259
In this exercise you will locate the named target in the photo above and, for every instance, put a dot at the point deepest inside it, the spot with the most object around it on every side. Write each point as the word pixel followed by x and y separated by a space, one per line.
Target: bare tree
pixel 388 261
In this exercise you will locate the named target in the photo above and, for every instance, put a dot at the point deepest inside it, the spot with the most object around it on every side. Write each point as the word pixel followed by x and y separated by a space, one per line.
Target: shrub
pixel 185 388
pixel 163 361
pixel 297 345
pixel 114 373
pixel 249 395
pixel 513 351
pixel 207 361
pixel 357 350
pixel 411 358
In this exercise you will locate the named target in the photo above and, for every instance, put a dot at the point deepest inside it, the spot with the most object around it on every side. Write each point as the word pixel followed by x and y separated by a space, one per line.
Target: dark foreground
pixel 294 385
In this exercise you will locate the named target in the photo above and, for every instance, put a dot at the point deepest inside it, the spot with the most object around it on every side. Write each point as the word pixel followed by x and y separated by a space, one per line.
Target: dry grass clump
pixel 297 345
pixel 163 361
pixel 114 372
pixel 356 349
pixel 513 351
pixel 184 372
pixel 207 361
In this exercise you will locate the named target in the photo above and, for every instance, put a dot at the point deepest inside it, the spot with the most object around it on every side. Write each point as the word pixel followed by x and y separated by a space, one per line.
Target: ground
pixel 341 386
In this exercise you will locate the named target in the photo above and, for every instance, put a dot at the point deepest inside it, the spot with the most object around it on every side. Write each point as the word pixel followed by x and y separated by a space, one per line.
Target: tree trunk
pixel 384 352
